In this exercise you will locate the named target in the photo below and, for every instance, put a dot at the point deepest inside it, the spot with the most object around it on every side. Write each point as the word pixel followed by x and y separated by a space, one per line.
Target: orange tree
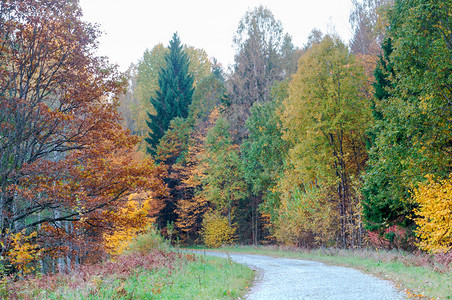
pixel 64 159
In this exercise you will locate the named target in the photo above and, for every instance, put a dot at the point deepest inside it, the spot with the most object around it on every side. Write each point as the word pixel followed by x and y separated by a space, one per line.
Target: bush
pixel 148 241
pixel 434 215
pixel 216 230
pixel 393 237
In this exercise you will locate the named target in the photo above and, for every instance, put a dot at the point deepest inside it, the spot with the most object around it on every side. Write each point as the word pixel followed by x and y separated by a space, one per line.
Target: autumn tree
pixel 192 169
pixel 204 111
pixel 64 157
pixel 128 102
pixel 434 215
pixel 324 118
pixel 261 48
pixel 369 21
pixel 193 205
pixel 128 221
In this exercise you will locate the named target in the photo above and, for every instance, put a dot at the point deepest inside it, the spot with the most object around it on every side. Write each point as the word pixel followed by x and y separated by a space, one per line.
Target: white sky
pixel 132 26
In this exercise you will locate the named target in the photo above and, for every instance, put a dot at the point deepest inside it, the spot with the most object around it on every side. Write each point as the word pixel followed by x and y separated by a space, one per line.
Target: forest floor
pixel 419 276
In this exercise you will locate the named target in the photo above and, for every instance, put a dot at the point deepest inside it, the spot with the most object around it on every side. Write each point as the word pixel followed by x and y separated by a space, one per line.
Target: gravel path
pixel 283 278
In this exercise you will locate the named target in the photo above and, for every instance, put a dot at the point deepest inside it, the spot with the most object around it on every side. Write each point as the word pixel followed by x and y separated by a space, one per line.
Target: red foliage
pixel 393 237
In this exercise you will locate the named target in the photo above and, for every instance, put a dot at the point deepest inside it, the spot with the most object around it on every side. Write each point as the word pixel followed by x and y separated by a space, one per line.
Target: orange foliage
pixel 23 252
pixel 65 159
pixel 138 214
pixel 191 208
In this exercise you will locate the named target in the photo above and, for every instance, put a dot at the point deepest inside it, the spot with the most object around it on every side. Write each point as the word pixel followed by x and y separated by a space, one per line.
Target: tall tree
pixel 369 21
pixel 143 85
pixel 263 157
pixel 146 77
pixel 385 191
pixel 128 102
pixel 64 158
pixel 223 182
pixel 325 118
pixel 261 47
pixel 414 134
pixel 174 95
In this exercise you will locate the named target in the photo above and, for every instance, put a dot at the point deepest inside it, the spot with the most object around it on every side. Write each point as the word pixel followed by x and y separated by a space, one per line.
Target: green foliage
pixel 174 95
pixel 264 151
pixel 413 91
pixel 147 75
pixel 174 142
pixel 200 65
pixel 207 96
pixel 306 219
pixel 223 182
pixel 385 190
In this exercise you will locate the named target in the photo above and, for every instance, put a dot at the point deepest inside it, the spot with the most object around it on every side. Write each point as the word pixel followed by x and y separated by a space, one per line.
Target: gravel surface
pixel 284 278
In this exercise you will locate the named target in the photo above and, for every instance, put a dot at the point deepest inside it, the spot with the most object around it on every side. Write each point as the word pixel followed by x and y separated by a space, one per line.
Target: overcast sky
pixel 131 26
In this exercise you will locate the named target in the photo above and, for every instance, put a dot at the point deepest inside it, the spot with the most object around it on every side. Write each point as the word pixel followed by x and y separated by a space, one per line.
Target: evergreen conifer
pixel 174 95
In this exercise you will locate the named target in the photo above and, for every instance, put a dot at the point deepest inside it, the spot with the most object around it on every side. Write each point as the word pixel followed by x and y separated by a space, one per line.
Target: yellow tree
pixel 434 215
pixel 135 217
pixel 192 207
pixel 325 118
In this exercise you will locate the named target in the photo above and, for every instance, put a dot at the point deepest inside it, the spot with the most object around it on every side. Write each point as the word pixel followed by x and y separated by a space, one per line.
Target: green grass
pixel 188 277
pixel 417 275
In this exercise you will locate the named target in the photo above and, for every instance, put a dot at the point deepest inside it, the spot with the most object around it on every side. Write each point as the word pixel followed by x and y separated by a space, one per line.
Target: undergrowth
pixel 149 269
pixel 155 275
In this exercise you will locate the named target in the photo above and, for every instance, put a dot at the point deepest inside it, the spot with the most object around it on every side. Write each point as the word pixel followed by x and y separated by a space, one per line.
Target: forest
pixel 326 144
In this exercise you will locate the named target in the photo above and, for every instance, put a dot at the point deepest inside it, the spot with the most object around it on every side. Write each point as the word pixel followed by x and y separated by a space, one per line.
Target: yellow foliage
pixel 23 252
pixel 434 215
pixel 129 221
pixel 305 217
pixel 216 230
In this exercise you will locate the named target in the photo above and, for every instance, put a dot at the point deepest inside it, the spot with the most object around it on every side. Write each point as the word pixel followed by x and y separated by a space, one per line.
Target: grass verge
pixel 156 275
pixel 418 275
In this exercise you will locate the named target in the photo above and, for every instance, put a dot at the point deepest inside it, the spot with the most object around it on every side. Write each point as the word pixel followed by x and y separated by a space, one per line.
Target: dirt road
pixel 282 278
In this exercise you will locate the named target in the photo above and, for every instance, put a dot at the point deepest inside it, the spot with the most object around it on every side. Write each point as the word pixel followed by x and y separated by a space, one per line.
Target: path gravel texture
pixel 283 278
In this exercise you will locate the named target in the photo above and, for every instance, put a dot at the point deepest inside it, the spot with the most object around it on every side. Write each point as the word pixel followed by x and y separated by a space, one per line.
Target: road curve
pixel 284 278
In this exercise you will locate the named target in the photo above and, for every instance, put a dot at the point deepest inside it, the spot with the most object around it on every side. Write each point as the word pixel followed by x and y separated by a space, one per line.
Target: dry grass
pixel 88 279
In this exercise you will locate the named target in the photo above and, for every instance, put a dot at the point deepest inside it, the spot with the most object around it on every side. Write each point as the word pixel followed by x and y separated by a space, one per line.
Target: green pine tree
pixel 384 189
pixel 174 95
pixel 413 91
